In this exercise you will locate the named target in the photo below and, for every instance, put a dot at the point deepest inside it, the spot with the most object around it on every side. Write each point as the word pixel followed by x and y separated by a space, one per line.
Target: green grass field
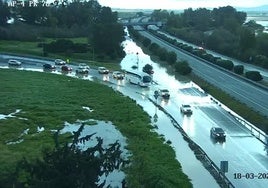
pixel 48 100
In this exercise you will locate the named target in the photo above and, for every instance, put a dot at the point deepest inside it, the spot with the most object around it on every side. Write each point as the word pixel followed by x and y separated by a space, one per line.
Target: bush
pixel 183 68
pixel 239 69
pixel 254 75
pixel 63 45
pixel 154 47
pixel 162 54
pixel 227 64
pixel 148 69
pixel 171 57
pixel 146 42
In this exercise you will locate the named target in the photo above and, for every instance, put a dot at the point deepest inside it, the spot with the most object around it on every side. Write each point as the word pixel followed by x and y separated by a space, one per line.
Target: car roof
pixel 218 129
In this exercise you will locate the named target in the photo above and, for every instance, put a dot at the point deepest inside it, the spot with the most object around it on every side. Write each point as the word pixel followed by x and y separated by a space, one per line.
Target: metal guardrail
pixel 200 154
pixel 256 132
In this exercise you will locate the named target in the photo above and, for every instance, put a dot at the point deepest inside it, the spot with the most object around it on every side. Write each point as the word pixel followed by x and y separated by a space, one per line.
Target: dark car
pixel 217 133
pixel 66 68
pixel 48 66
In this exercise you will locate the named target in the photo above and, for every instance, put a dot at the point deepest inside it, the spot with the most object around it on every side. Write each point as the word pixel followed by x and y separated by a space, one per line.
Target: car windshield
pixel 219 130
pixel 186 106
pixel 164 90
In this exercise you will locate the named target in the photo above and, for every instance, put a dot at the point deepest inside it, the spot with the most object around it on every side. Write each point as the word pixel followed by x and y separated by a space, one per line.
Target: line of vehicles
pixel 139 78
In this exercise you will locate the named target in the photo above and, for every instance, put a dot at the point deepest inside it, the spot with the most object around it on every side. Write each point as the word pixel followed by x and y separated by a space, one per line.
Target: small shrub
pixel 239 69
pixel 183 68
pixel 146 42
pixel 254 75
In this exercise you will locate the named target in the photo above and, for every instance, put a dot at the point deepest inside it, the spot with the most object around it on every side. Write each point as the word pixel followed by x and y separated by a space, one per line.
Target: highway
pixel 245 92
pixel 247 67
pixel 244 152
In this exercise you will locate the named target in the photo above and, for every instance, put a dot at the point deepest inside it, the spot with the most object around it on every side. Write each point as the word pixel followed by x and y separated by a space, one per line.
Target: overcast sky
pixel 179 4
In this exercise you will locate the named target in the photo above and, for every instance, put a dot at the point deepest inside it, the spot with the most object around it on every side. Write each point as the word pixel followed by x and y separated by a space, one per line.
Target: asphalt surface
pixel 255 97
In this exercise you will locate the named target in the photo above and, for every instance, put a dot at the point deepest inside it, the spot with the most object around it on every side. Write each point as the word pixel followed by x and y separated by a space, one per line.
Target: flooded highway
pixel 246 155
pixel 244 152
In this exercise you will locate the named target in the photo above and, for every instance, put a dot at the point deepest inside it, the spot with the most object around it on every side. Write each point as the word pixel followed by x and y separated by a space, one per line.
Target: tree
pixel 252 25
pixel 262 44
pixel 106 16
pixel 223 15
pixel 247 39
pixel 160 15
pixel 68 166
pixel 174 20
pixel 227 45
pixel 107 38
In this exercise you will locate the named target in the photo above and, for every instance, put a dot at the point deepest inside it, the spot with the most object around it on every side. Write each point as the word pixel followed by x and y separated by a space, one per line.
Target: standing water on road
pixel 162 123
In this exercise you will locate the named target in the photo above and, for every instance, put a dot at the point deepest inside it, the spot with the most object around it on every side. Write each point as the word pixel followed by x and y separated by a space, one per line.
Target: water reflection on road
pixel 207 113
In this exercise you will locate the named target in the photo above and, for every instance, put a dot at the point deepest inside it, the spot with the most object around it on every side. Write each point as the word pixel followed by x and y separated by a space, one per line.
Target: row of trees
pixel 63 20
pixel 222 29
pixel 224 63
pixel 170 57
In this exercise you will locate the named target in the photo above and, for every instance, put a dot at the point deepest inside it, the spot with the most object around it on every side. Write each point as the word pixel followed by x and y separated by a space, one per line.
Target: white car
pixel 186 109
pixel 83 66
pixel 103 70
pixel 118 75
pixel 13 62
pixel 59 62
pixel 82 69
